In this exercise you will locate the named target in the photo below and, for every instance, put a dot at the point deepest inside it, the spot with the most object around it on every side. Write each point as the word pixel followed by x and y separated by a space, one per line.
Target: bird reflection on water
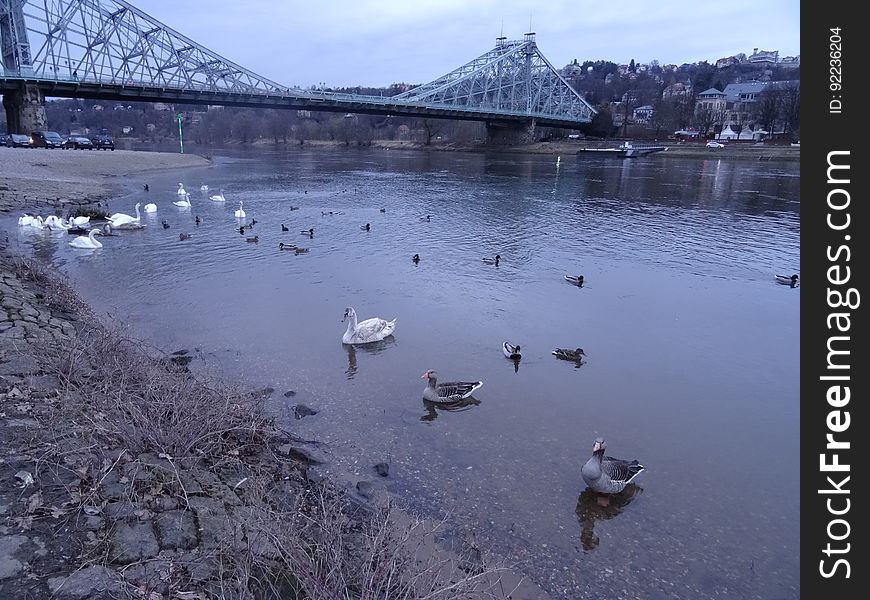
pixel 432 408
pixel 592 506
pixel 370 348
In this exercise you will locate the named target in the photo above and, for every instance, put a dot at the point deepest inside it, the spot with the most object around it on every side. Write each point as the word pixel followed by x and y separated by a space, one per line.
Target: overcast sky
pixel 376 42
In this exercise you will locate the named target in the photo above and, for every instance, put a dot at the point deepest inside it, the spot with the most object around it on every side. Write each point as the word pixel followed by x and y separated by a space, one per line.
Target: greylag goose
pixel 567 354
pixel 364 332
pixel 450 391
pixel 511 351
pixel 608 475
pixel 789 281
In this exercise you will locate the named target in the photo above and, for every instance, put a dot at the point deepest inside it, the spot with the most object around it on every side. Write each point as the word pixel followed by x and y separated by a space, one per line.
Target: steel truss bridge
pixel 109 49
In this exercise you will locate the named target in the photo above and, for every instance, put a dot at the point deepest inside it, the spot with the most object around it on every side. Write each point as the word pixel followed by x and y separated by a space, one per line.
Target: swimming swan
pixel 87 241
pixel 184 202
pixel 181 191
pixel 150 207
pixel 120 219
pixel 218 197
pixel 240 214
pixel 363 332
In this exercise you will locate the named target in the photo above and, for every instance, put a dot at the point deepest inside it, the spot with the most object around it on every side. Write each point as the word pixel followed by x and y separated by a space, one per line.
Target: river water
pixel 692 347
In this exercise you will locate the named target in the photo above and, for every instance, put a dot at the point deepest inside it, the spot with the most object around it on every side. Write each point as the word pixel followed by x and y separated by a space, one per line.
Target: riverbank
pixel 128 475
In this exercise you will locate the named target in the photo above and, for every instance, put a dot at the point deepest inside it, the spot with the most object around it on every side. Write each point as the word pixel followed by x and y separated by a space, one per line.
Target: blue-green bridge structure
pixel 109 49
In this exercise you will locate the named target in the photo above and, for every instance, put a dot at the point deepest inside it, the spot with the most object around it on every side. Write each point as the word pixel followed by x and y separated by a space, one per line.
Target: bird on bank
pixel 449 391
pixel 608 475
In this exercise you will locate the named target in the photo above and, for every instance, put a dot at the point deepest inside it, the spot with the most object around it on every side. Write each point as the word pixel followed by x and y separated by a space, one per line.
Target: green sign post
pixel 180 137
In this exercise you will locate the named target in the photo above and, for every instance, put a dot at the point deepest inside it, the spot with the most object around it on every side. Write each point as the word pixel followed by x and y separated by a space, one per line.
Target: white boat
pixel 624 150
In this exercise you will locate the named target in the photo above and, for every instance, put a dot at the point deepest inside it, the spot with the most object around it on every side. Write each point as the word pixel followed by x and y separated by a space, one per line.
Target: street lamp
pixel 180 137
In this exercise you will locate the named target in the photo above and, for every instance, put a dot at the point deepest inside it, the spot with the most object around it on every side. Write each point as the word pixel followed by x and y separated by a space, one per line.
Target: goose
pixel 450 391
pixel 203 188
pixel 492 261
pixel 416 258
pixel 575 279
pixel 79 221
pixel 789 281
pixel 87 241
pixel 283 246
pixel 284 227
pixel 219 197
pixel 184 202
pixel 181 191
pixel 240 213
pixel 366 227
pixel 150 207
pixel 120 219
pixel 364 332
pixel 608 475
pixel 566 354
pixel 511 351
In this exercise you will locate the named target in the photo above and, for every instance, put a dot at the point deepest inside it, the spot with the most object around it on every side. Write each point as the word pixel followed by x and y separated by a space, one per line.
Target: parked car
pixel 46 139
pixel 103 142
pixel 714 145
pixel 4 139
pixel 78 142
pixel 18 140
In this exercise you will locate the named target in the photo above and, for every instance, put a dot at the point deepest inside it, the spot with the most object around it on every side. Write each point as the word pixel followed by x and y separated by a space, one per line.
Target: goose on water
pixel 449 391
pixel 364 332
pixel 567 354
pixel 87 241
pixel 240 212
pixel 789 281
pixel 492 261
pixel 608 475
pixel 511 351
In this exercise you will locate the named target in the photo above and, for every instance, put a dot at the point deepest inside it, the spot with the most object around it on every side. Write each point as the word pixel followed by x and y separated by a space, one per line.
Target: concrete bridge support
pixel 515 134
pixel 25 109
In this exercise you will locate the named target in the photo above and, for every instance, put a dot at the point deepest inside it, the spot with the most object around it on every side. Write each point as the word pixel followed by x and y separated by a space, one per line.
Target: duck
pixel 492 261
pixel 416 258
pixel 575 279
pixel 566 354
pixel 294 208
pixel 197 220
pixel 383 210
pixel 165 225
pixel 789 281
pixel 254 239
pixel 450 391
pixel 181 191
pixel 427 218
pixel 184 202
pixel 203 188
pixel 150 207
pixel 284 227
pixel 308 232
pixel 283 246
pixel 87 241
pixel 299 250
pixel 121 219
pixel 219 197
pixel 366 227
pixel 183 236
pixel 240 212
pixel 367 331
pixel 511 351
pixel 608 475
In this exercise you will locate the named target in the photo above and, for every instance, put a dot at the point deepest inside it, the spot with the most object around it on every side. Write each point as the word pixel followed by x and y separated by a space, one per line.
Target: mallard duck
pixel 364 332
pixel 789 281
pixel 575 279
pixel 383 210
pixel 450 391
pixel 197 220
pixel 366 227
pixel 511 351
pixel 183 236
pixel 427 218
pixel 254 239
pixel 492 261
pixel 564 353
pixel 165 225
pixel 284 227
pixel 298 250
pixel 308 232
pixel 416 258
pixel 283 246
pixel 608 475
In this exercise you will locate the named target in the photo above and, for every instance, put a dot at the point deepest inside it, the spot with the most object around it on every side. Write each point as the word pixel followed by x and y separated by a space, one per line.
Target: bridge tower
pixel 25 107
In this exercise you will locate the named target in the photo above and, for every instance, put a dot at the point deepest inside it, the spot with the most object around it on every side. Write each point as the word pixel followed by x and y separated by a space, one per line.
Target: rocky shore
pixel 126 475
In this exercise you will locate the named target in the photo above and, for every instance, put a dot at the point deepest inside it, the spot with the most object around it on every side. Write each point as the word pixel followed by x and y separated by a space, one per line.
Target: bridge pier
pixel 25 109
pixel 513 134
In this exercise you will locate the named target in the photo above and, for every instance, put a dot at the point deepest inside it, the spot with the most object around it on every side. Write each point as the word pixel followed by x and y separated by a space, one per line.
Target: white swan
pixel 184 202
pixel 203 188
pixel 87 241
pixel 240 214
pixel 218 197
pixel 150 207
pixel 79 221
pixel 37 223
pixel 120 219
pixel 363 332
pixel 55 223
pixel 181 191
